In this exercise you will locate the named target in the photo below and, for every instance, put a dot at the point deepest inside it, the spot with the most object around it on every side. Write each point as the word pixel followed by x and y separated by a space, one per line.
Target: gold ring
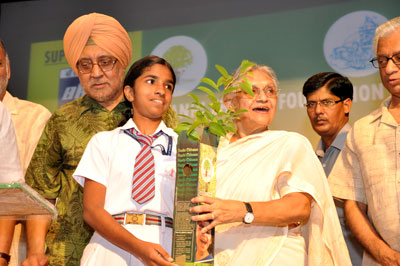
pixel 212 216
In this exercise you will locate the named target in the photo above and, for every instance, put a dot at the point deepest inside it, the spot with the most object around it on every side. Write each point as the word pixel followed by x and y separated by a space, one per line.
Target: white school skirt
pixel 100 251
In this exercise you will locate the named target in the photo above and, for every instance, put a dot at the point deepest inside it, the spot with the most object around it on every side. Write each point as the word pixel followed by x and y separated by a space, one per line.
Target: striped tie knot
pixel 145 139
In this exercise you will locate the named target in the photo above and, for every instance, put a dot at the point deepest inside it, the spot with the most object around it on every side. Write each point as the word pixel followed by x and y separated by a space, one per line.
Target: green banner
pixel 296 44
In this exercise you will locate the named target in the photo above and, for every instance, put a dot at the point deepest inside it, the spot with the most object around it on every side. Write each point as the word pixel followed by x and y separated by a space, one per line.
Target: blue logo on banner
pixel 348 44
pixel 69 87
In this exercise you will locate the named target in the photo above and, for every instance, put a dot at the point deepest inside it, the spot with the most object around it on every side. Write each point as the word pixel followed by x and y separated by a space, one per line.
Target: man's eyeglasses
pixel 106 63
pixel 323 103
pixel 382 61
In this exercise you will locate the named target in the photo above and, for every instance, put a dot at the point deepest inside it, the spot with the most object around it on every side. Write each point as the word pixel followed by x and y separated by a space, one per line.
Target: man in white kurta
pixel 366 173
pixel 29 120
pixel 10 167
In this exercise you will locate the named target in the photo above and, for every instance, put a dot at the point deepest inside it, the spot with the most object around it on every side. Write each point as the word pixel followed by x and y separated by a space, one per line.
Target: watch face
pixel 248 218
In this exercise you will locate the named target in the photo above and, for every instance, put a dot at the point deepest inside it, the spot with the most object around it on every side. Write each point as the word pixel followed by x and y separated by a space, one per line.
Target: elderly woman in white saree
pixel 273 205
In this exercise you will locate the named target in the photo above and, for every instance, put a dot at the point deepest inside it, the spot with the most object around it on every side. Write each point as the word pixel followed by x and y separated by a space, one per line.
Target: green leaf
pixel 222 81
pixel 209 115
pixel 221 114
pixel 195 108
pixel 195 124
pixel 229 129
pixel 194 136
pixel 212 98
pixel 206 90
pixel 205 114
pixel 181 127
pixel 246 86
pixel 210 82
pixel 195 97
pixel 199 114
pixel 185 116
pixel 216 106
pixel 241 111
pixel 200 107
pixel 217 129
pixel 245 64
pixel 230 89
pixel 184 124
pixel 223 71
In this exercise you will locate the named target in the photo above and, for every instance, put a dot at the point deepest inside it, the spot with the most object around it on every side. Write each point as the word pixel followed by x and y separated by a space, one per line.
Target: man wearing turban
pixel 99 50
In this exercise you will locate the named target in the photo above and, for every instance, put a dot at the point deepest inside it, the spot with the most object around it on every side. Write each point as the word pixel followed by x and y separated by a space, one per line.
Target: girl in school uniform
pixel 128 175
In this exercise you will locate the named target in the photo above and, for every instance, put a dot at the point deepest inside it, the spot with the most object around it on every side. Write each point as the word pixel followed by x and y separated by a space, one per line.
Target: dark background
pixel 26 22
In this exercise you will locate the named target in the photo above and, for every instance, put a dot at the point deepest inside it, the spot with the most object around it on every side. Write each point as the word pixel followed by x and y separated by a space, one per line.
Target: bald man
pixel 99 50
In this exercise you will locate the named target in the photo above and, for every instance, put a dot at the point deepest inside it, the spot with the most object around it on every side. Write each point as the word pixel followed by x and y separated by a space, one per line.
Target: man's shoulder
pixel 73 107
pixel 368 120
pixel 12 102
pixel 32 107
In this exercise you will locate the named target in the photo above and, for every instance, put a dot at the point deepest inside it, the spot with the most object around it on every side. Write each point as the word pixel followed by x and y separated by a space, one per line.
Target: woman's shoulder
pixel 288 136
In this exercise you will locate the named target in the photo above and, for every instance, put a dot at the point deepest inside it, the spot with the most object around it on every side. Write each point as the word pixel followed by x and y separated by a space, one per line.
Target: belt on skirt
pixel 142 219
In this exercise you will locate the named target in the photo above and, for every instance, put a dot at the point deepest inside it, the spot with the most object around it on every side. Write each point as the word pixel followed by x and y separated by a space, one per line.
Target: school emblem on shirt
pixel 348 44
pixel 188 58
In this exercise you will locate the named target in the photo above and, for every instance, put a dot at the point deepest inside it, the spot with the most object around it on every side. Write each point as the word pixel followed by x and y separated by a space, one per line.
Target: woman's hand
pixel 153 255
pixel 217 211
pixel 290 209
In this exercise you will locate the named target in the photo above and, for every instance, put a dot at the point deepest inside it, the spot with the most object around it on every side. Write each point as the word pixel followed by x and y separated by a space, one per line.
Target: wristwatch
pixel 249 217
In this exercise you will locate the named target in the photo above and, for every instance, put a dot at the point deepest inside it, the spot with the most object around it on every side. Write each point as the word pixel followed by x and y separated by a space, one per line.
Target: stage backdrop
pixel 296 44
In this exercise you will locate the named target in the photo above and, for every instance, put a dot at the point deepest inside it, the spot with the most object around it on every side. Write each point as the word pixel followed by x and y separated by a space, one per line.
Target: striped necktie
pixel 143 175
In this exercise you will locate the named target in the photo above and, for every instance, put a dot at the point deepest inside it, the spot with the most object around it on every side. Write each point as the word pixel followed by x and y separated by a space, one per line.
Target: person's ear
pixel 129 93
pixel 347 105
pixel 8 69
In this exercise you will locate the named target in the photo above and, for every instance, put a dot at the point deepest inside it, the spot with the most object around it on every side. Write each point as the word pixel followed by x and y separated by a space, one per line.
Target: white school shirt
pixel 109 159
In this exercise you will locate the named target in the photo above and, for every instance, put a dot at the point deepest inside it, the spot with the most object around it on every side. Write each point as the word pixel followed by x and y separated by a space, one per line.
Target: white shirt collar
pixel 130 124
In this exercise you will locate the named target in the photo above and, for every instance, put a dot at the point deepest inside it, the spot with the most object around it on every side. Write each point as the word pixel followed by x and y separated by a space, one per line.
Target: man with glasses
pixel 329 98
pixel 98 49
pixel 366 174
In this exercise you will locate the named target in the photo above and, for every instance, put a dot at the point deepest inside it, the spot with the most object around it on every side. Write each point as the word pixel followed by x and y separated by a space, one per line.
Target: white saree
pixel 265 167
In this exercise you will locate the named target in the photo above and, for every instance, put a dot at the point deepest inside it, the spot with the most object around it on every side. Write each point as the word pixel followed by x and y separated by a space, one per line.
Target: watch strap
pixel 5 256
pixel 248 207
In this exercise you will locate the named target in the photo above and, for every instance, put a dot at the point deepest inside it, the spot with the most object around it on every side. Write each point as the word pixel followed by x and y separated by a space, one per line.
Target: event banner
pixel 297 44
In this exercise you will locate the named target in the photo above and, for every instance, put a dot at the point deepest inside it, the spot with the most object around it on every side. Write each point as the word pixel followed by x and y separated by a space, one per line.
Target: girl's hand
pixel 154 255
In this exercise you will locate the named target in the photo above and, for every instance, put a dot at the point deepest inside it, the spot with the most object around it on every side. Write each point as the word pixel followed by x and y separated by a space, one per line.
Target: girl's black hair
pixel 137 69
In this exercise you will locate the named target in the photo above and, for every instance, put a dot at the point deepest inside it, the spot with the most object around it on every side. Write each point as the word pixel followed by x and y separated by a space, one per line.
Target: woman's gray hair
pixel 266 69
pixel 385 29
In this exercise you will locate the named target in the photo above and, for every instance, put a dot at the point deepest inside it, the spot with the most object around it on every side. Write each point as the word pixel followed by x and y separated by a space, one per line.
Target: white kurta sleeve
pixel 10 166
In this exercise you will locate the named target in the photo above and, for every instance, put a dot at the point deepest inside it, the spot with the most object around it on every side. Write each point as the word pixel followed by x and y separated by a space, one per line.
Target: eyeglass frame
pixel 277 91
pixel 329 103
pixel 375 59
pixel 113 60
